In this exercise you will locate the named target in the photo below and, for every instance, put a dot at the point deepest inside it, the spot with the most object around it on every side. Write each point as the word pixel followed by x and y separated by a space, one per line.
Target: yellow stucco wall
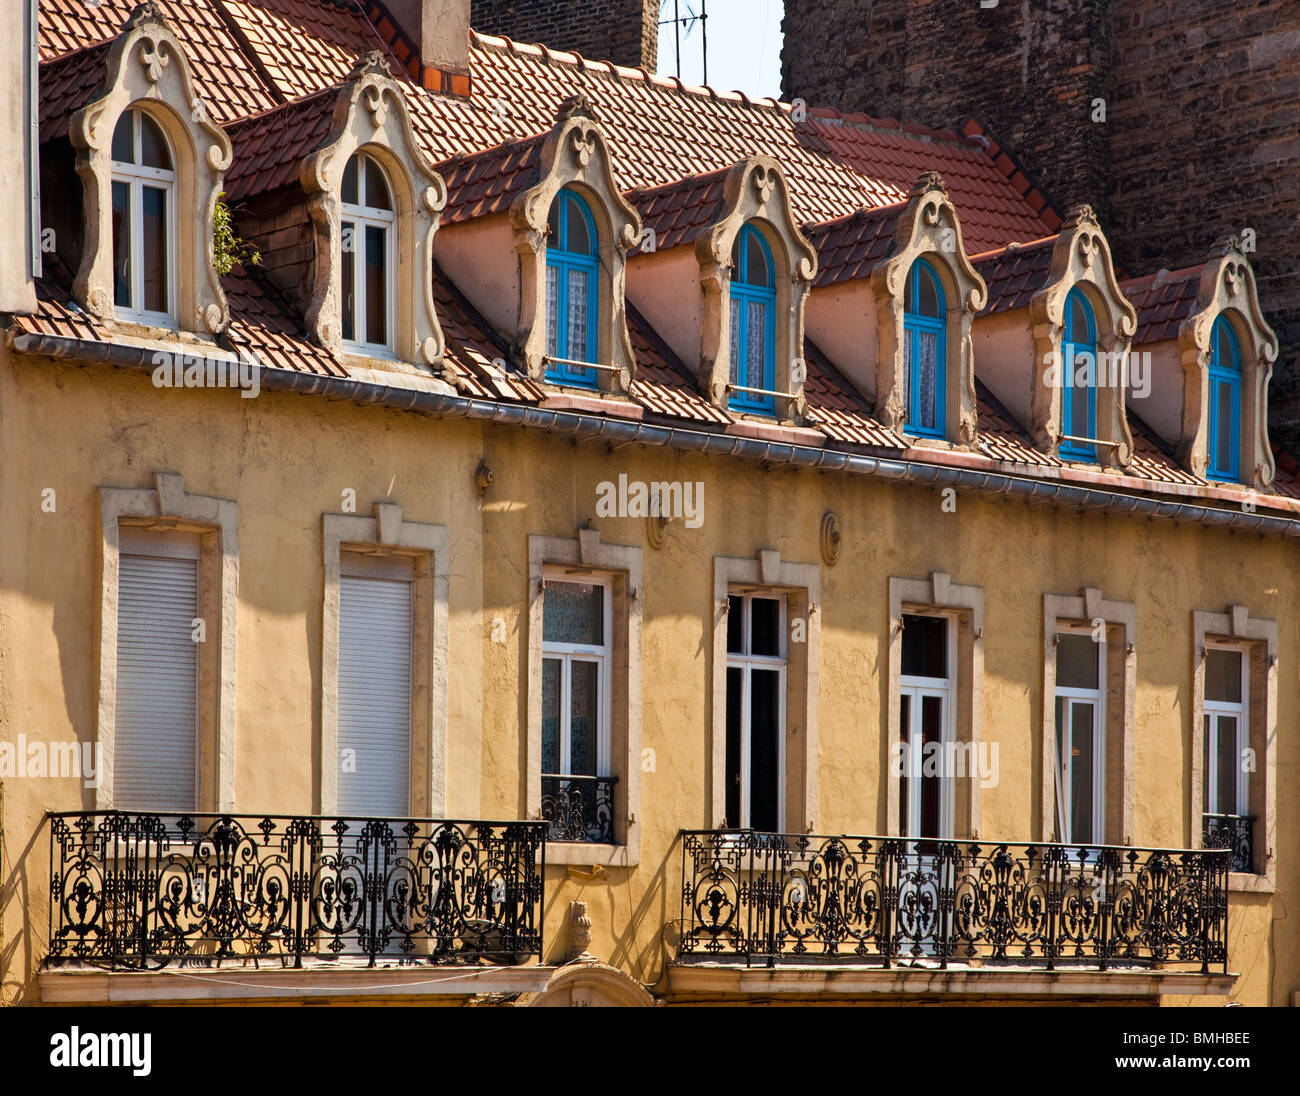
pixel 286 460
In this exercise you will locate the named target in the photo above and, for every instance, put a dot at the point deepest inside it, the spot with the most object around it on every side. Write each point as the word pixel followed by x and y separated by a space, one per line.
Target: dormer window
pixel 753 324
pixel 924 352
pixel 368 252
pixel 1079 355
pixel 143 218
pixel 572 291
pixel 1225 403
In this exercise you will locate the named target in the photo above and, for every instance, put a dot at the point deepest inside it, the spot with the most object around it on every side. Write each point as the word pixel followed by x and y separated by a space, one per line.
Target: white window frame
pixel 361 217
pixel 1212 709
pixel 915 687
pixel 1064 764
pixel 136 176
pixel 747 663
pixel 568 653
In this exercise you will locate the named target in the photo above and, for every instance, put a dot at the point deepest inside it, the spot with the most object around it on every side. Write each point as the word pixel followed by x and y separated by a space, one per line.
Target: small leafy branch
pixel 228 249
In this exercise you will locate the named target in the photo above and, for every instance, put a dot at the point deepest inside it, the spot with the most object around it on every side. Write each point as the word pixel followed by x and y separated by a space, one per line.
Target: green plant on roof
pixel 228 249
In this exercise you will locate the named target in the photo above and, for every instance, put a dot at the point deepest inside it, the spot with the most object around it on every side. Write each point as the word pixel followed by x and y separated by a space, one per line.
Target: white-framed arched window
pixel 143 220
pixel 369 251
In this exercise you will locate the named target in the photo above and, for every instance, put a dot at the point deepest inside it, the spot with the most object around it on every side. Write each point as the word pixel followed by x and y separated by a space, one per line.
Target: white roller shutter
pixel 375 688
pixel 155 751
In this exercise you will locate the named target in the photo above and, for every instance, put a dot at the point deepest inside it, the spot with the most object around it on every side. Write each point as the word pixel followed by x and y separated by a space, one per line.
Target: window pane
pixel 928 303
pixel 552 311
pixel 931 783
pixel 153 145
pixel 925 646
pixel 928 349
pixel 124 138
pixel 377 196
pixel 1223 675
pixel 765 618
pixel 553 224
pixel 909 337
pixel 578 288
pixel 735 625
pixel 756 346
pixel 909 761
pixel 756 273
pixel 1223 427
pixel 735 340
pixel 1076 661
pixel 121 244
pixel 1082 366
pixel 348 191
pixel 376 285
pixel 579 237
pixel 1079 319
pixel 349 236
pixel 1226 762
pixel 764 743
pixel 551 676
pixel 573 612
pixel 1082 765
pixel 584 716
pixel 153 250
pixel 735 714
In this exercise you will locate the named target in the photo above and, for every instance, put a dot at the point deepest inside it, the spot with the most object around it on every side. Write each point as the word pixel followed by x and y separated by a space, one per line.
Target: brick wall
pixel 1202 135
pixel 623 31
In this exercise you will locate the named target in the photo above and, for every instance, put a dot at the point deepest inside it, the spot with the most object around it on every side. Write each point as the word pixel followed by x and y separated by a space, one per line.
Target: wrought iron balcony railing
pixel 141 891
pixel 579 808
pixel 766 897
pixel 1235 832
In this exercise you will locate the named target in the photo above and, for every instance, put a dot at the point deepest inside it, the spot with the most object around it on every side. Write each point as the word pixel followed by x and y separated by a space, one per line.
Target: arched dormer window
pixel 753 324
pixel 368 256
pixel 144 220
pixel 572 291
pixel 924 351
pixel 1225 403
pixel 1079 379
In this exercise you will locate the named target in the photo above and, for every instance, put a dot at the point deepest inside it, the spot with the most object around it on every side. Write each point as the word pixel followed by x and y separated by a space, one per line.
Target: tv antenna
pixel 689 21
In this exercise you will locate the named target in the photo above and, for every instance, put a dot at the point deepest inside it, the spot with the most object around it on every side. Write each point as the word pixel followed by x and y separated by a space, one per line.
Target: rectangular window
pixel 756 697
pixel 1227 779
pixel 1080 737
pixel 374 685
pixel 349 286
pixel 577 785
pixel 122 245
pixel 376 274
pixel 155 761
pixel 926 692
pixel 153 248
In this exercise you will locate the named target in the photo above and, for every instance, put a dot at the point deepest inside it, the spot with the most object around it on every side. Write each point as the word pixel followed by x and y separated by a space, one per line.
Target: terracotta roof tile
pixel 678 212
pixel 1162 301
pixel 1152 459
pixel 1014 273
pixel 488 182
pixel 269 148
pixel 849 247
pixel 68 84
pixel 1001 437
pixel 663 384
pixel 839 412
pixel 263 323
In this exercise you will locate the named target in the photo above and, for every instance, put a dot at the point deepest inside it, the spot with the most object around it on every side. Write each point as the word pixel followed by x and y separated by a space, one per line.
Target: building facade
pixel 620 544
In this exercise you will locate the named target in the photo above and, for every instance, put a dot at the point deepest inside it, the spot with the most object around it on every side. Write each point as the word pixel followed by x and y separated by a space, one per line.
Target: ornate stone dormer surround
pixel 575 154
pixel 756 192
pixel 371 115
pixel 1227 288
pixel 146 69
pixel 929 228
pixel 1081 258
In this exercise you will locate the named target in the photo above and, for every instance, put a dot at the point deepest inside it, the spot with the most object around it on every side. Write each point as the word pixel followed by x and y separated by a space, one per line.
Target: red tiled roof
pixel 678 212
pixel 663 384
pixel 1151 457
pixel 849 247
pixel 262 322
pixel 1001 437
pixel 489 181
pixel 1162 301
pixel 838 410
pixel 1014 273
pixel 268 149
pixel 67 84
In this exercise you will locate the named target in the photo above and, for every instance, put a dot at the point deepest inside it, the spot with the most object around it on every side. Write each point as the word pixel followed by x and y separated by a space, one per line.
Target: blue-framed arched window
pixel 1225 403
pixel 753 322
pixel 572 291
pixel 1079 377
pixel 924 351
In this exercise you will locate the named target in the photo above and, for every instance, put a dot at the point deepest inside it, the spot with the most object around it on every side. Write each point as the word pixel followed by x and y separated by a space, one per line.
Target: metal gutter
pixel 624 431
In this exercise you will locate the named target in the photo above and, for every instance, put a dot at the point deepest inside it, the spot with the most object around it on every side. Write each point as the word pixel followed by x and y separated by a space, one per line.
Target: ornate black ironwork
pixel 1235 832
pixel 140 891
pixel 579 808
pixel 871 899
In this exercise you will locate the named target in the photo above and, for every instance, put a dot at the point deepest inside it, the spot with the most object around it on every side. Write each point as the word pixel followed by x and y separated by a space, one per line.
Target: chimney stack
pixel 438 30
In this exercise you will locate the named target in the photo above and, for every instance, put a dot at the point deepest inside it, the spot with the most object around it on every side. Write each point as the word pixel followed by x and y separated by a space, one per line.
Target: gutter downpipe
pixel 622 431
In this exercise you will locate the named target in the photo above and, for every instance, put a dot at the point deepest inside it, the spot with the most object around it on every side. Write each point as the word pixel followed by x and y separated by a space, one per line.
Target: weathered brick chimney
pixel 623 31
pixel 18 139
pixel 430 37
